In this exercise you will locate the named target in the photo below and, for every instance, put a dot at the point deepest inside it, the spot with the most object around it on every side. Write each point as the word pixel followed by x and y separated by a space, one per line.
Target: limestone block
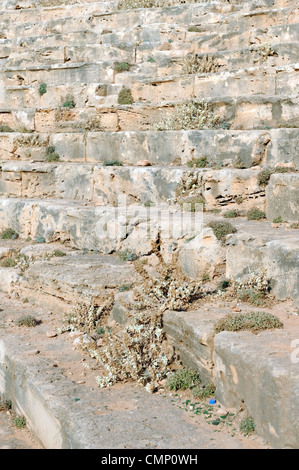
pixel 282 195
pixel 256 372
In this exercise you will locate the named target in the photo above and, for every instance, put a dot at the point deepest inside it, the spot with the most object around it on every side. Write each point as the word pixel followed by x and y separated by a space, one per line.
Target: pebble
pixel 33 352
pixel 51 334
pixel 100 342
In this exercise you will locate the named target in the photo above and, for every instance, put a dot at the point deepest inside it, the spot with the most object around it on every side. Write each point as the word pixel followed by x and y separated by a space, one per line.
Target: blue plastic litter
pixel 212 401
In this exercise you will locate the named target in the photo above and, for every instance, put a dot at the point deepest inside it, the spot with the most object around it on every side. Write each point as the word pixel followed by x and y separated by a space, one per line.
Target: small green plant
pixel 253 321
pixel 42 89
pixel 150 59
pixel 100 330
pixel 224 284
pixel 264 176
pixel 231 214
pixel 149 203
pixel 9 262
pixel 247 426
pixel 58 253
pixel 112 163
pixel 28 321
pixel 125 287
pixel 127 256
pixel 221 229
pixel 69 102
pixel 5 405
pixel 19 422
pixel 125 96
pixel 51 155
pixel 198 162
pixel 205 277
pixel 9 234
pixel 204 391
pixel 278 220
pixel 255 214
pixel 40 240
pixel 194 29
pixel 183 379
pixel 4 128
pixel 121 67
pixel 295 225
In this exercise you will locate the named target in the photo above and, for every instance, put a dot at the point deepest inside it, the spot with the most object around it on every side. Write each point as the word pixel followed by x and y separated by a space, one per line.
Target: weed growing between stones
pixel 131 4
pixel 247 426
pixel 221 229
pixel 42 89
pixel 93 124
pixel 189 115
pixel 51 155
pixel 253 321
pixel 5 128
pixel 254 290
pixel 16 261
pixel 112 163
pixel 189 192
pixel 28 321
pixel 69 102
pixel 88 317
pixel 255 214
pixel 204 391
pixel 58 253
pixel 198 162
pixel 125 96
pixel 9 234
pixel 232 214
pixel 196 64
pixel 183 379
pixel 5 405
pixel 120 67
pixel 138 352
pixel 19 421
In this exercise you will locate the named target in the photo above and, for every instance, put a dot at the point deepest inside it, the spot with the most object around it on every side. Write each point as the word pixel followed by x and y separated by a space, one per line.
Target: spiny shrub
pixel 196 64
pixel 190 114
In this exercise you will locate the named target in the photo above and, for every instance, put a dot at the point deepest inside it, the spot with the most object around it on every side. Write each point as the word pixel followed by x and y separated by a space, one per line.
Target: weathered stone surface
pixel 282 195
pixel 260 253
pixel 257 372
pixel 192 333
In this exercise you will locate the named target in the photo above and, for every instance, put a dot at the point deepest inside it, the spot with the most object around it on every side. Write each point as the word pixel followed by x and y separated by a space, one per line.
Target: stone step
pixel 122 20
pixel 257 246
pixel 242 112
pixel 269 384
pixel 55 389
pixel 41 48
pixel 156 62
pixel 154 90
pixel 216 189
pixel 199 15
pixel 222 147
pixel 282 197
